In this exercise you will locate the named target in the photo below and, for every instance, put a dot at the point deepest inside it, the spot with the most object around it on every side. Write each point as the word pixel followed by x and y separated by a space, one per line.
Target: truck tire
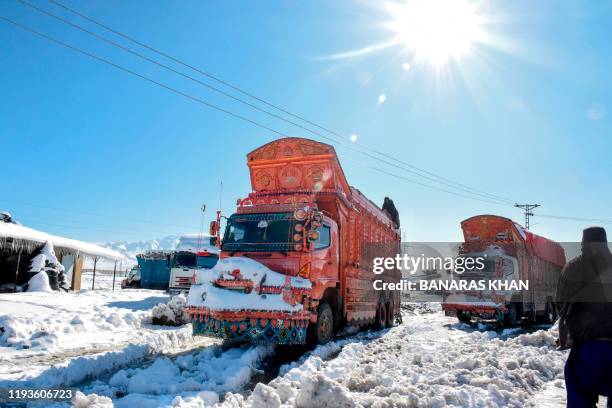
pixel 381 317
pixel 323 329
pixel 550 313
pixel 464 317
pixel 511 318
pixel 389 320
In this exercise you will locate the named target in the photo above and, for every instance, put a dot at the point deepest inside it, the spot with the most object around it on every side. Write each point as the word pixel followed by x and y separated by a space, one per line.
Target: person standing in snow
pixel 584 300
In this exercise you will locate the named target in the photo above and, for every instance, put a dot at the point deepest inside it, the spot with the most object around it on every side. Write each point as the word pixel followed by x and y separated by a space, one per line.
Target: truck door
pixel 325 253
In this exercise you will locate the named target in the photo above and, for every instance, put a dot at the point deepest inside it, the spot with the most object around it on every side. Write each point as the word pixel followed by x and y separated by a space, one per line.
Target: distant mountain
pixel 131 249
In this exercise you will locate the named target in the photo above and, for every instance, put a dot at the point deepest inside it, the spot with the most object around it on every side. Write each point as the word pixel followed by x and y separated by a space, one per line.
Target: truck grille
pixel 182 282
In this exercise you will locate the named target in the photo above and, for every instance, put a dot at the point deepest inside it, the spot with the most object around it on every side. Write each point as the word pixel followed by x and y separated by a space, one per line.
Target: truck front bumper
pixel 251 325
pixel 485 310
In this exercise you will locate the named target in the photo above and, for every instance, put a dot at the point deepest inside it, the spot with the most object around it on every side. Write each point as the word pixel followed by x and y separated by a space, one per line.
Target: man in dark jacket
pixel 584 299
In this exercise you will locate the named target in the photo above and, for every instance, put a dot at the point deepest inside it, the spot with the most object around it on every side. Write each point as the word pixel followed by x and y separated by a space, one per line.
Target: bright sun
pixel 436 30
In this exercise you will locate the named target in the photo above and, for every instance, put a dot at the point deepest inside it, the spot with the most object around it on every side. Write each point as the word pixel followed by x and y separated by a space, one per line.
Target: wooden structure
pixel 18 245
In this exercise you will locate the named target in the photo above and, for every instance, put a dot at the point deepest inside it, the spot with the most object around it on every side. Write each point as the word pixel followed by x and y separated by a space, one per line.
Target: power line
pixel 435 178
pixel 93 214
pixel 129 71
pixel 433 187
pixel 411 168
pixel 85 228
pixel 422 184
pixel 159 64
pixel 581 219
pixel 416 170
pixel 81 223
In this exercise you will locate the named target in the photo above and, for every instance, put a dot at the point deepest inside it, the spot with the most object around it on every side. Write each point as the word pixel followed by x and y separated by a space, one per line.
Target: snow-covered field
pixel 60 339
pixel 102 343
pixel 103 280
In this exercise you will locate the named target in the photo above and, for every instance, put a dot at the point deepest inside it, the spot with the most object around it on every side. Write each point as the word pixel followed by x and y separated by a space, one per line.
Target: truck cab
pixel 132 280
pixel 193 252
pixel 487 304
pixel 513 255
pixel 279 239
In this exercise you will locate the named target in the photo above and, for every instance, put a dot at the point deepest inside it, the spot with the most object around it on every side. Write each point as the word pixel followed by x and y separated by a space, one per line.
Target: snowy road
pixel 430 360
pixel 103 344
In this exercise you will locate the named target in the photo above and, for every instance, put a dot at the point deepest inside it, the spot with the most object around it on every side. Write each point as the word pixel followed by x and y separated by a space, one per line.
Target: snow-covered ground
pixel 53 339
pixel 430 360
pixel 104 280
pixel 101 343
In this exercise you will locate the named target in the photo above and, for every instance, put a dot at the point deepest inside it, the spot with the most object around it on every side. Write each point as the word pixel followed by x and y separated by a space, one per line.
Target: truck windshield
pixel 259 232
pixel 185 259
pixel 207 262
pixel 493 266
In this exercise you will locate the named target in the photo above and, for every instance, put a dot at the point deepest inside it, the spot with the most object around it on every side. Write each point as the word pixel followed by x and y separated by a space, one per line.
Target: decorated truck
pixel 520 274
pixel 293 267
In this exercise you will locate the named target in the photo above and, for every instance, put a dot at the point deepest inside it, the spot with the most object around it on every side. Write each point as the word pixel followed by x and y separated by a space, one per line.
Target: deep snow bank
pixel 54 321
pixel 198 378
pixel 421 363
pixel 173 313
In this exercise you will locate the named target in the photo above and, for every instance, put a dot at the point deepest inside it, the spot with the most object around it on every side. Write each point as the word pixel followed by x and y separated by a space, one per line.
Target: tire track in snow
pixel 77 369
pixel 429 360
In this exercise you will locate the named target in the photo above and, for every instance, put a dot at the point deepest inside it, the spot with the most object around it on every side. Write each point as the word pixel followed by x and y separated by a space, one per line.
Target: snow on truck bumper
pixel 241 299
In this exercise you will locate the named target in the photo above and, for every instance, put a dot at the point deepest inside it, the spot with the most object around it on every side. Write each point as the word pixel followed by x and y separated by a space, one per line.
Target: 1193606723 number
pixel 33 394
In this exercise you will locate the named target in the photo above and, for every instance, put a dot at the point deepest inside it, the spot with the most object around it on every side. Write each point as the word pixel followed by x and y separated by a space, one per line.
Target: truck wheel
pixel 464 317
pixel 323 329
pixel 511 316
pixel 381 317
pixel 550 314
pixel 389 316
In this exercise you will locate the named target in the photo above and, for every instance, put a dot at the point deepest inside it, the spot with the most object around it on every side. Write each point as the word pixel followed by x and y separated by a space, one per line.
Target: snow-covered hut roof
pixel 18 236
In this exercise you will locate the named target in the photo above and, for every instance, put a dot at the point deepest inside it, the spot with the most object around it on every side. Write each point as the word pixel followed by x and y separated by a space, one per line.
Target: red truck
pixel 511 254
pixel 293 265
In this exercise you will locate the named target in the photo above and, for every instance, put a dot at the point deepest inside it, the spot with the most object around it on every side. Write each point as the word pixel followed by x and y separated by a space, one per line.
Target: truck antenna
pixel 220 192
pixel 527 208
pixel 203 208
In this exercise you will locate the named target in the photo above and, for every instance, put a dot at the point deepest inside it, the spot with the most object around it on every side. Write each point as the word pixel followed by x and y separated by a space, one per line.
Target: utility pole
pixel 527 209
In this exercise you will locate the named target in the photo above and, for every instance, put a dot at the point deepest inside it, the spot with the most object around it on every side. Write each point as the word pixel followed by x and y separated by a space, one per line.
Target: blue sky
pixel 93 153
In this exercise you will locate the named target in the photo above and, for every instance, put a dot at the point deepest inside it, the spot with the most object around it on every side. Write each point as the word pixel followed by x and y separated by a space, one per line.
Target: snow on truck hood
pixel 205 294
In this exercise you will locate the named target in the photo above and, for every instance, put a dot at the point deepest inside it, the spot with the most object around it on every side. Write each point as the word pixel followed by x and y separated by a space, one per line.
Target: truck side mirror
pixel 214 228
